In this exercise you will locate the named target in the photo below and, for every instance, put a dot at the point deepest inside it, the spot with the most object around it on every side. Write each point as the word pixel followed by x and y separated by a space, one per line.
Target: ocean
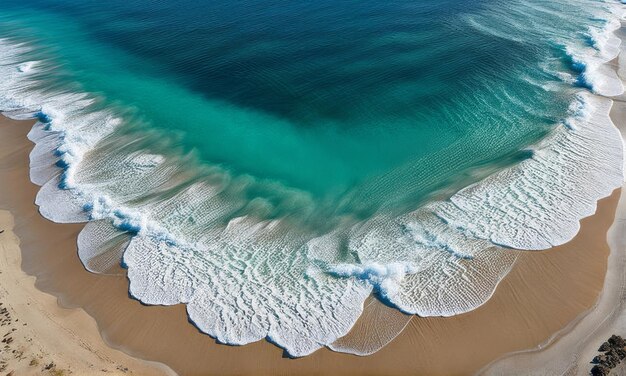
pixel 272 164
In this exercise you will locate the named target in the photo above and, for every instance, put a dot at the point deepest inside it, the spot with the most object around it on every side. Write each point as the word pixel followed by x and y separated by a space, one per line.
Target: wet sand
pixel 544 292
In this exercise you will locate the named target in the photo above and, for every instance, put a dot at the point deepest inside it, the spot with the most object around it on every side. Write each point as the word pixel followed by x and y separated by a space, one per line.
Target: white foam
pixel 26 67
pixel 147 160
pixel 549 193
pixel 602 79
pixel 386 278
pixel 246 285
pixel 101 246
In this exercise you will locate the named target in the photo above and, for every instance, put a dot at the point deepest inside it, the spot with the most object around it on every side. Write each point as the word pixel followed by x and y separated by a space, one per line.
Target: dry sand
pixel 544 292
pixel 39 337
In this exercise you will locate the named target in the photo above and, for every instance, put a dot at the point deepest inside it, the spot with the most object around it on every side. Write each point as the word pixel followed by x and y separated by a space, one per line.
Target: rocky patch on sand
pixel 614 351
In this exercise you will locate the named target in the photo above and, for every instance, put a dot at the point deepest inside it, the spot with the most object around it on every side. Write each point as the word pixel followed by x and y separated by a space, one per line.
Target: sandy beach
pixel 547 316
pixel 542 295
pixel 40 337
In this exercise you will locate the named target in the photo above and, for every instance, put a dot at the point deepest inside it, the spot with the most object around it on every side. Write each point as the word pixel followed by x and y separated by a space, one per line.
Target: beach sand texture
pixel 40 337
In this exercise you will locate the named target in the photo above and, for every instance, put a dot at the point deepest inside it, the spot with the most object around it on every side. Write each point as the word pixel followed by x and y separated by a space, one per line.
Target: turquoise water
pixel 326 99
pixel 236 134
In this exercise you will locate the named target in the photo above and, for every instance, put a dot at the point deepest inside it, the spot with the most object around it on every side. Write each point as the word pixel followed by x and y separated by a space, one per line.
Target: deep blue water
pixel 321 96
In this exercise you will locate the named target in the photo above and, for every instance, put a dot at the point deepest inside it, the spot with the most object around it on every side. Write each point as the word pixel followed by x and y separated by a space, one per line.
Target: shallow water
pixel 271 165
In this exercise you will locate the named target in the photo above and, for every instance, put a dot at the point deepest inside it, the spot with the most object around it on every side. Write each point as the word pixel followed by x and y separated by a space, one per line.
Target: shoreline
pixel 47 336
pixel 552 304
pixel 527 296
pixel 41 337
pixel 570 350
